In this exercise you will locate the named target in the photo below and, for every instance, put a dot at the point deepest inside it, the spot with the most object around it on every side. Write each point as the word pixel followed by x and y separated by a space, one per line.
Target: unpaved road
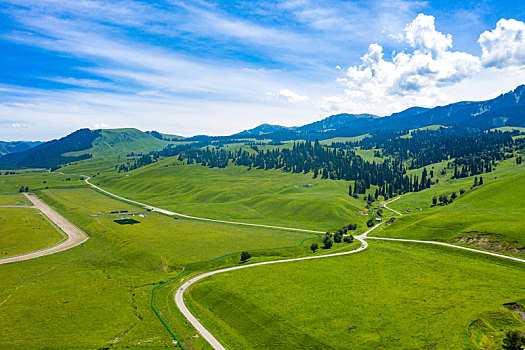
pixel 179 300
pixel 179 295
pixel 168 212
pixel 395 211
pixel 74 235
pixel 448 245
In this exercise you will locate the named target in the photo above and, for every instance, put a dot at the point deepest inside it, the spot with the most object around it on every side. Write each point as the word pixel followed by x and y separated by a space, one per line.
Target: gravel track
pixel 74 235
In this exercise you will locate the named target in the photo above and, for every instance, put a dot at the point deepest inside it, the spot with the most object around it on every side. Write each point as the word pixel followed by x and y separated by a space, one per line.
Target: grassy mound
pixel 234 193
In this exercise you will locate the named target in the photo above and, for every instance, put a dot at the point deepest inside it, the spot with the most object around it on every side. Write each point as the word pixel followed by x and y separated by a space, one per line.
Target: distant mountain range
pixel 84 144
pixel 16 146
pixel 505 110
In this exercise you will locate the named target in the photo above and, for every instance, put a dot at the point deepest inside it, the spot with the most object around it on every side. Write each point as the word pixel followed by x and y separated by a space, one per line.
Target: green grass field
pixel 396 295
pixel 159 237
pixel 95 293
pixel 392 296
pixel 14 199
pixel 10 184
pixel 489 216
pixel 26 230
pixel 271 197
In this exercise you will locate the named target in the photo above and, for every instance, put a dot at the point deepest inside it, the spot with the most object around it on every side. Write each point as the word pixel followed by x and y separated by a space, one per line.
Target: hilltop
pixel 83 144
pixel 506 110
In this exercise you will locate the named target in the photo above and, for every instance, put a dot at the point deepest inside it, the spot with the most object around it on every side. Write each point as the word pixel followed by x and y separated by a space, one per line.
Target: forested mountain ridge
pixel 50 154
pixel 16 146
pixel 505 110
pixel 83 144
pixel 265 129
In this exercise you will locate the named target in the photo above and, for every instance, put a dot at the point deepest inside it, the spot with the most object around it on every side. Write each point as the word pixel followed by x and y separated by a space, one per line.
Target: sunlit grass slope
pixel 391 296
pixel 25 230
pixel 99 293
pixel 115 142
pixel 490 216
pixel 13 199
pixel 270 197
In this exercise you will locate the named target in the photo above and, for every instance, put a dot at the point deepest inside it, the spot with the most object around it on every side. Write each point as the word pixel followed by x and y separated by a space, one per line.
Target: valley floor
pixel 392 295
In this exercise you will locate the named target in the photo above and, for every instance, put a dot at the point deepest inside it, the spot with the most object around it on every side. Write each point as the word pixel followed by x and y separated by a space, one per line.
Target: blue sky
pixel 219 67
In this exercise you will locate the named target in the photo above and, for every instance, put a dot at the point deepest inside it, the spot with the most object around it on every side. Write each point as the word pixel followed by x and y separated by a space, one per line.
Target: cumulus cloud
pixel 287 95
pixel 422 35
pixel 101 126
pixel 505 45
pixel 409 77
pixel 19 125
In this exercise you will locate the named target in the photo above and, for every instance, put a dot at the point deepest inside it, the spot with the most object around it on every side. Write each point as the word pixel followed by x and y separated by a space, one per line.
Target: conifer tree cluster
pixel 323 162
pixel 139 162
pixel 471 148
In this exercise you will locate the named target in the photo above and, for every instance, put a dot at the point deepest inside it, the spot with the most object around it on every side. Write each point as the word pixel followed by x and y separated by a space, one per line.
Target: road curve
pixel 179 300
pixel 168 212
pixel 74 235
pixel 179 295
pixel 395 211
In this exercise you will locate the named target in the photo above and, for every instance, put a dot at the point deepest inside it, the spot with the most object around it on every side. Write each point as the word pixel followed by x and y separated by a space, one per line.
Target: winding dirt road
pixel 74 235
pixel 168 212
pixel 179 295
pixel 448 245
pixel 392 210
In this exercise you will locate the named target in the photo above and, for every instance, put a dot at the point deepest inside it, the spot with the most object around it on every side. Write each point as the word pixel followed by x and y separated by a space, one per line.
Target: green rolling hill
pixel 84 144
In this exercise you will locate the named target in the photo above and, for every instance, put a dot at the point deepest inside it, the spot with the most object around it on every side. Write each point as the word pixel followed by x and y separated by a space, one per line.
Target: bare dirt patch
pixel 490 241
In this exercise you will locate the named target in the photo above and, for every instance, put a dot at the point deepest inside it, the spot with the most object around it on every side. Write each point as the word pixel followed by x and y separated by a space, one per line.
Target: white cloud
pixel 505 45
pixel 422 35
pixel 292 97
pixel 101 126
pixel 409 78
pixel 53 114
pixel 18 125
pixel 287 95
pixel 85 83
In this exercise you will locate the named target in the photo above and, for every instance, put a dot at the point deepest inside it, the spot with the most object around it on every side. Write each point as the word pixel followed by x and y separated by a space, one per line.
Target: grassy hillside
pixel 84 144
pixel 270 197
pixel 119 142
pixel 489 216
pixel 391 296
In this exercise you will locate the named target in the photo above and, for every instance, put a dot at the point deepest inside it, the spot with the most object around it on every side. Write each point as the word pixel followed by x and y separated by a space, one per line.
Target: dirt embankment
pixel 490 241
